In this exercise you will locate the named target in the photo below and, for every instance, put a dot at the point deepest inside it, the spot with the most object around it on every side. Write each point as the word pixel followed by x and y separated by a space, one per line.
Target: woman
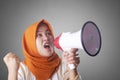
pixel 41 61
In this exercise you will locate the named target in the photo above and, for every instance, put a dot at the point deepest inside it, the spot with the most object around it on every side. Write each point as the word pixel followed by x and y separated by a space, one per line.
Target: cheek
pixel 52 39
pixel 52 43
pixel 38 44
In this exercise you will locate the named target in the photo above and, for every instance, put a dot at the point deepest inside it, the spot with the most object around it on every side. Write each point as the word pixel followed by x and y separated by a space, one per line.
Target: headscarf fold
pixel 42 67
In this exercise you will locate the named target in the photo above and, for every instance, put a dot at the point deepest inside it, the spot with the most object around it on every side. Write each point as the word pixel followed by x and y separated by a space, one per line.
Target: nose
pixel 46 37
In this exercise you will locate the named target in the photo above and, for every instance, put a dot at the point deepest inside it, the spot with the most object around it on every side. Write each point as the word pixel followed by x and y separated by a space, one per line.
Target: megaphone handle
pixel 71 66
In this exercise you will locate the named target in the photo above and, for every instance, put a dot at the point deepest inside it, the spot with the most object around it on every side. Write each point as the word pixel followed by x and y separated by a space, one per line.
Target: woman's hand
pixel 71 57
pixel 12 62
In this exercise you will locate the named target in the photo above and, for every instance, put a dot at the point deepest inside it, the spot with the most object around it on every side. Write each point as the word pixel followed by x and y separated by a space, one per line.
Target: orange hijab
pixel 42 67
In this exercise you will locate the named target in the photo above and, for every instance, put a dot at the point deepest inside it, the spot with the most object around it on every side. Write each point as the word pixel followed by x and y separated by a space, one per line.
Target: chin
pixel 49 54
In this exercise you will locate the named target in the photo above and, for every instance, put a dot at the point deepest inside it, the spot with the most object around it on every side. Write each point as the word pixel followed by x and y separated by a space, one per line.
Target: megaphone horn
pixel 88 38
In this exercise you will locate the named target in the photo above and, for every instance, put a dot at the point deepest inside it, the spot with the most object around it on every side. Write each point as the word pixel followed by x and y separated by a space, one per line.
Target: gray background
pixel 65 15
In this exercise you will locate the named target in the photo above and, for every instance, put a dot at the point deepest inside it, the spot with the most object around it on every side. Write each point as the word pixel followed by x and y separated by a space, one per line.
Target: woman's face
pixel 44 41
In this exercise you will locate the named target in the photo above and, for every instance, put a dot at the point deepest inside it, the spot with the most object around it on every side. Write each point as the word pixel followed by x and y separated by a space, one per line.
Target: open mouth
pixel 47 46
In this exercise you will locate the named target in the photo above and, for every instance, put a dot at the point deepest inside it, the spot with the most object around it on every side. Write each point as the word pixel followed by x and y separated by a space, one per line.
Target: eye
pixel 48 33
pixel 39 35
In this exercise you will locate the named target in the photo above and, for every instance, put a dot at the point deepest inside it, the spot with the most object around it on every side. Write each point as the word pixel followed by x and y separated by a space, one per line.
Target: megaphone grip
pixel 71 66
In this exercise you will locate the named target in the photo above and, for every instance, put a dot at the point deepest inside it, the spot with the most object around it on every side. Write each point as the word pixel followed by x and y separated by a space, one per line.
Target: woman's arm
pixel 71 58
pixel 12 62
pixel 73 75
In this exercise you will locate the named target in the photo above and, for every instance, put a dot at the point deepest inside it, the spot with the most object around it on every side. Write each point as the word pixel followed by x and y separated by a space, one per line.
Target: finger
pixel 6 57
pixel 71 62
pixel 77 60
pixel 8 54
pixel 76 55
pixel 70 58
pixel 12 56
pixel 72 55
pixel 65 54
pixel 74 50
pixel 16 60
pixel 74 60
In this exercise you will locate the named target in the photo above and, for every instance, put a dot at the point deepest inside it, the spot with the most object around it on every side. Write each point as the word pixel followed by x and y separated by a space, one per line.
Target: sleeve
pixel 65 73
pixel 24 73
pixel 21 72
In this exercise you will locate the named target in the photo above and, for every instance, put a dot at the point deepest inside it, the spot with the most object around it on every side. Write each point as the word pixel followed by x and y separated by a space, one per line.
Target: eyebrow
pixel 42 31
pixel 39 31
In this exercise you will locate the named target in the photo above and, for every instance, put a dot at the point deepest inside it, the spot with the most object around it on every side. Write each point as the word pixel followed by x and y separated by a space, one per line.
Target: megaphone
pixel 88 39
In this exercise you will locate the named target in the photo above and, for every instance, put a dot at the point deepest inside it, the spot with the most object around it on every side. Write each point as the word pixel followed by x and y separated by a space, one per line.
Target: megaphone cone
pixel 88 38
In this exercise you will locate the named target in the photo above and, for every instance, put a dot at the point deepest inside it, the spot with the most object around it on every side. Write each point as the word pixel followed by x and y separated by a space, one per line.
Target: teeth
pixel 46 46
